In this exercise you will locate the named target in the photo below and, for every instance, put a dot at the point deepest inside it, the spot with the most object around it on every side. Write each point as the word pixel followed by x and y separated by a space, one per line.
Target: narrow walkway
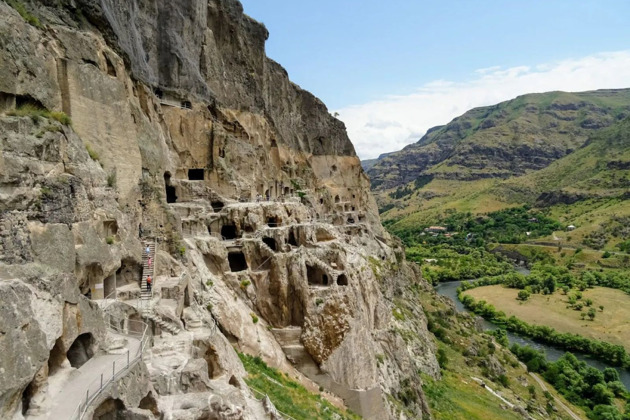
pixel 560 403
pixel 88 378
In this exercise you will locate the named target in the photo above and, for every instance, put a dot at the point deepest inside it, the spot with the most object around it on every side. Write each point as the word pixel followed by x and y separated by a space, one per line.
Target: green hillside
pixel 588 188
pixel 508 139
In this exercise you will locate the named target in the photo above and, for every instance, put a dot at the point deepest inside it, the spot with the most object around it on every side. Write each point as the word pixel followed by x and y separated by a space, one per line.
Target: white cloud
pixel 391 123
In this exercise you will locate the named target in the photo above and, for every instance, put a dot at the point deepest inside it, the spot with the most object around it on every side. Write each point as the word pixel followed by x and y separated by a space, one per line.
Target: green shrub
pixel 111 179
pixel 244 284
pixel 36 113
pixel 254 318
pixel 26 15
pixel 319 301
pixel 93 154
pixel 109 240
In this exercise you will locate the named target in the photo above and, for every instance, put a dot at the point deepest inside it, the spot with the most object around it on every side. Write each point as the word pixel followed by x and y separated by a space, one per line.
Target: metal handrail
pixel 100 384
pixel 255 391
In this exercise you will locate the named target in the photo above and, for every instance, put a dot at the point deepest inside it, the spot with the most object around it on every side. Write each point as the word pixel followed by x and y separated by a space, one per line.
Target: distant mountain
pixel 509 139
pixel 368 163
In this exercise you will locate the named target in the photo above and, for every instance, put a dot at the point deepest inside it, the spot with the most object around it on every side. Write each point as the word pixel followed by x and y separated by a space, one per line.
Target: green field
pixel 610 325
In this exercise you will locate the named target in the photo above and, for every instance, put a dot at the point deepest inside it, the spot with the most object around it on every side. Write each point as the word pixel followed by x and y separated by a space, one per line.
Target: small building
pixel 571 227
pixel 430 260
pixel 436 229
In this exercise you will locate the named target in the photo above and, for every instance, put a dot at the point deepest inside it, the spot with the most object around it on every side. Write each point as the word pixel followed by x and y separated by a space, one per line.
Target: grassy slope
pixel 287 395
pixel 610 325
pixel 457 396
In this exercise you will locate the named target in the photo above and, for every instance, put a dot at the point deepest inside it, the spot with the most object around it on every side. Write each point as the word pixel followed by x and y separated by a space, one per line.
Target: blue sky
pixel 355 54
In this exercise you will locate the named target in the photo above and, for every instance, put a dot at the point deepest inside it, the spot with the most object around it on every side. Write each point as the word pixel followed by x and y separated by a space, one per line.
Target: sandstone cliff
pixel 163 124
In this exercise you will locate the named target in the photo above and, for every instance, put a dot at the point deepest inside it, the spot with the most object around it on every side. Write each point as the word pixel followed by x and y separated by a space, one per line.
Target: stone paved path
pixel 70 394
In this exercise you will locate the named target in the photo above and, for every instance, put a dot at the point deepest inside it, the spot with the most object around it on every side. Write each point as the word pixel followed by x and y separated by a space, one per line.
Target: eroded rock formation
pixel 125 124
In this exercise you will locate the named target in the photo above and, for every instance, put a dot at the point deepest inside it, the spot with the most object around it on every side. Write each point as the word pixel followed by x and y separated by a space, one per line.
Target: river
pixel 449 289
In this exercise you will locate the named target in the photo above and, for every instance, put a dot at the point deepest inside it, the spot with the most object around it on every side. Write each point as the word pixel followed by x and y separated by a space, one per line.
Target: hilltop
pixel 504 140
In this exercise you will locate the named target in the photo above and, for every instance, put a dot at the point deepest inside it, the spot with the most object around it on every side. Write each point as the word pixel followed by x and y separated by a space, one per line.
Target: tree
pixel 591 313
pixel 588 302
pixel 523 295
pixel 601 308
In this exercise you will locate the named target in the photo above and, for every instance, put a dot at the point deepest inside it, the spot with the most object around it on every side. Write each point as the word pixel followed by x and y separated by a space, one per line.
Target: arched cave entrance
pixel 273 221
pixel 271 243
pixel 171 196
pixel 110 409
pixel 237 261
pixel 316 276
pixel 342 280
pixel 81 350
pixel 287 191
pixel 337 199
pixel 228 231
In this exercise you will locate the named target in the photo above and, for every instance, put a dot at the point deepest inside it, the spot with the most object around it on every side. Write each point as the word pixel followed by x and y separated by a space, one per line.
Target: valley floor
pixel 609 325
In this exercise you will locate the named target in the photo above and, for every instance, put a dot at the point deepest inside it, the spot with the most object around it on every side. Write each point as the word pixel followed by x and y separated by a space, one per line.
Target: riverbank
pixel 552 353
pixel 609 325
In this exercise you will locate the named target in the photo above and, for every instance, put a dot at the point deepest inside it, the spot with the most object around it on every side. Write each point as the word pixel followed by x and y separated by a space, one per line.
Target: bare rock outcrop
pixel 125 126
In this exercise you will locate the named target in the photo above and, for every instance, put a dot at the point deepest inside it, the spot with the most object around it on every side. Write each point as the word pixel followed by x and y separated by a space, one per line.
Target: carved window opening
pixel 292 239
pixel 228 232
pixel 196 174
pixel 237 261
pixel 271 243
pixel 171 196
pixel 342 280
pixel 186 105
pixel 337 199
pixel 217 206
pixel 316 276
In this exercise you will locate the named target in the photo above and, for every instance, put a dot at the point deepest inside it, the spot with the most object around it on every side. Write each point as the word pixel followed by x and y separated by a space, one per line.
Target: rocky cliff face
pixel 508 139
pixel 164 123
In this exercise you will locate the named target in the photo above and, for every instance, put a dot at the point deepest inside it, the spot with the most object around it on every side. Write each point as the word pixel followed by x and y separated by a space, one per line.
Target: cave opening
pixel 316 276
pixel 271 243
pixel 228 232
pixel 110 409
pixel 149 403
pixel 287 191
pixel 159 93
pixel 273 221
pixel 171 196
pixel 292 239
pixel 22 101
pixel 212 360
pixel 186 105
pixel 342 280
pixel 27 394
pixel 56 357
pixel 81 350
pixel 337 199
pixel 237 261
pixel 197 174
pixel 217 206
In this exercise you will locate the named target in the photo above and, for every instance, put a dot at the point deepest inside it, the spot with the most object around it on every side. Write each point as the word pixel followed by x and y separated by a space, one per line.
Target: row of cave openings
pixel 319 277
pixel 80 351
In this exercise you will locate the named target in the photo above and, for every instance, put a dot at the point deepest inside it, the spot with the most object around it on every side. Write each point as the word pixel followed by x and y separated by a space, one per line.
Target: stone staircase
pixel 149 313
pixel 145 293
